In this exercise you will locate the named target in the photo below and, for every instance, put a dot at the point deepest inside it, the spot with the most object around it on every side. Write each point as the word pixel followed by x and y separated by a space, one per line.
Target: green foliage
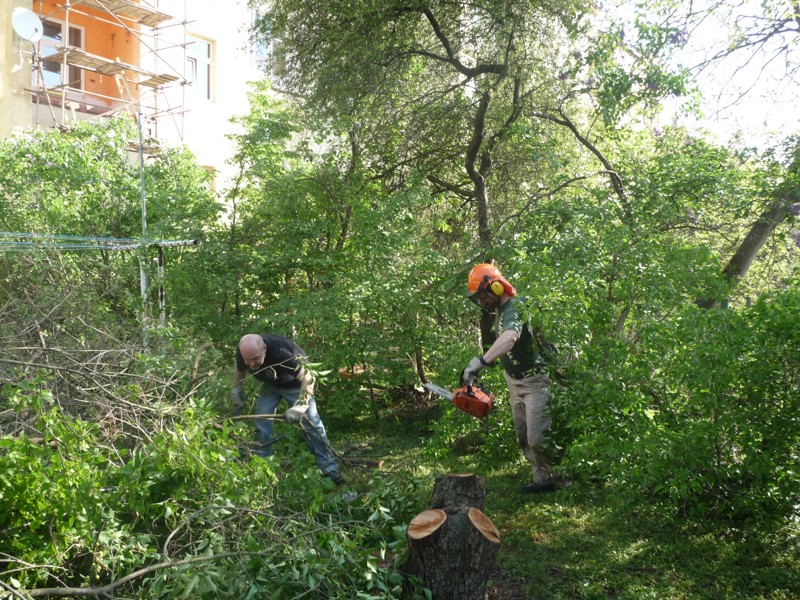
pixel 249 527
pixel 327 252
pixel 85 182
pixel 356 243
pixel 701 417
pixel 55 509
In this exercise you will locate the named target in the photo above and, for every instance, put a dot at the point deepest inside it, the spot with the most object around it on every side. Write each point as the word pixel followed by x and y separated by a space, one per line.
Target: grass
pixel 579 543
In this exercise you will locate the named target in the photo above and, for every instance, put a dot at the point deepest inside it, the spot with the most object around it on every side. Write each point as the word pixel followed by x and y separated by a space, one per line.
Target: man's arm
pixel 238 377
pixel 502 344
pixel 296 413
pixel 237 391
pixel 306 386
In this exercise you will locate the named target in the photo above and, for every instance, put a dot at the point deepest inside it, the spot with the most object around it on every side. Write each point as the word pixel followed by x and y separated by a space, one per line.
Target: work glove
pixel 237 398
pixel 474 367
pixel 295 414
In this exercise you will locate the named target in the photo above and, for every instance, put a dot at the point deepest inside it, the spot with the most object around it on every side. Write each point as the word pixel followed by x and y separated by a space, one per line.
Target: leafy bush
pixel 191 513
pixel 703 418
pixel 56 509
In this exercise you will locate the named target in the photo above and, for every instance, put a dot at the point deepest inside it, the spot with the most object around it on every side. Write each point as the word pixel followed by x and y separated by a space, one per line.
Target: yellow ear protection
pixel 497 288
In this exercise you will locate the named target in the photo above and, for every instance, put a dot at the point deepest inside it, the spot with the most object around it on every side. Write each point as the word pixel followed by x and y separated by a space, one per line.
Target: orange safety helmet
pixel 485 276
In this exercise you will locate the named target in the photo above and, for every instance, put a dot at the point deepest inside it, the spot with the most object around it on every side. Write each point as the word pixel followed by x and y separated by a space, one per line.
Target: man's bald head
pixel 253 349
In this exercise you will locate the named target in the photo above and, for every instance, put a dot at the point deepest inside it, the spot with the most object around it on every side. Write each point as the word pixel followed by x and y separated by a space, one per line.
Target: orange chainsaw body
pixel 473 400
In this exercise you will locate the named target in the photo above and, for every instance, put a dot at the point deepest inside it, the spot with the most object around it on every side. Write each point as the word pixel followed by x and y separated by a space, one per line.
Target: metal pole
pixel 162 297
pixel 64 65
pixel 143 256
pixel 141 176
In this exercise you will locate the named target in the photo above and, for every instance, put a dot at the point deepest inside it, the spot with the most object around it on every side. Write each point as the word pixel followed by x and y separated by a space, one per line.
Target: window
pixel 258 44
pixel 267 54
pixel 198 67
pixel 52 70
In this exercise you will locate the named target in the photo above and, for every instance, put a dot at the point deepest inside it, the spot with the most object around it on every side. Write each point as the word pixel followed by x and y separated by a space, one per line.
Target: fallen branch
pixel 252 417
pixel 339 456
pixel 107 590
pixel 11 590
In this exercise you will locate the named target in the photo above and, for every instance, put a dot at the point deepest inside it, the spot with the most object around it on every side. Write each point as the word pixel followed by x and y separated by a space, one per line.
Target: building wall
pixel 15 74
pixel 101 39
pixel 175 114
pixel 206 122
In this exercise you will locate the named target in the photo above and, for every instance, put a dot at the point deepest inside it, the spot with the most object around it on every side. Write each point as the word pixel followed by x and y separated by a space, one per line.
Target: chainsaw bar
pixel 437 389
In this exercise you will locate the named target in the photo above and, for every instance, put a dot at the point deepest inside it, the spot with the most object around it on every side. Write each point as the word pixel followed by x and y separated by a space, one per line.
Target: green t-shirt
pixel 523 355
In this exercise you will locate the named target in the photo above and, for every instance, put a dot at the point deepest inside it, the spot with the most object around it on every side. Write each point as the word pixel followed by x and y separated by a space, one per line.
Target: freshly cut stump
pixel 452 551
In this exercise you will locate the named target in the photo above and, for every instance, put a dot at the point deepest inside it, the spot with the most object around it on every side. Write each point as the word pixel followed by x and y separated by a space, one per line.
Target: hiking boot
pixel 563 482
pixel 538 488
pixel 335 477
pixel 557 483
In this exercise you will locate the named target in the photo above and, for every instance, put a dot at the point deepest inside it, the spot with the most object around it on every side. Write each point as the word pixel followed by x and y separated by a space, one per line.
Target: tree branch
pixel 616 182
pixel 450 187
pixel 107 590
pixel 537 197
pixel 451 58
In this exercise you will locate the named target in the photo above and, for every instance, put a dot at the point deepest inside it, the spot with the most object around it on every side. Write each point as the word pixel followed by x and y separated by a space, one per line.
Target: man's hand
pixel 295 414
pixel 237 398
pixel 474 367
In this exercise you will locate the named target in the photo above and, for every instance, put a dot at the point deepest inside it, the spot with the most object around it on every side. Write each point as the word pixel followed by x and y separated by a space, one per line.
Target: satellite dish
pixel 27 25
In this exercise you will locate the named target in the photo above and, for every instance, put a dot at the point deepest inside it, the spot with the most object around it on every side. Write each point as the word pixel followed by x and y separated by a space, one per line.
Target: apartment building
pixel 180 66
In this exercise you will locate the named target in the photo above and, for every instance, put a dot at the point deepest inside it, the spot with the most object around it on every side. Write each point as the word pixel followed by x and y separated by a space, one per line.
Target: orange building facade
pixel 181 67
pixel 86 61
pixel 95 33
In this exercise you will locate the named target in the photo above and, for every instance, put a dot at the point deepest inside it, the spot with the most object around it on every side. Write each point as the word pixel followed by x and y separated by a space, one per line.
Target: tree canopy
pixel 396 145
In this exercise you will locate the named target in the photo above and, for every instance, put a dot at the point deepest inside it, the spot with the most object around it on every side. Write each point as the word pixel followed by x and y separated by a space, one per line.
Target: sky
pixel 755 95
pixel 749 92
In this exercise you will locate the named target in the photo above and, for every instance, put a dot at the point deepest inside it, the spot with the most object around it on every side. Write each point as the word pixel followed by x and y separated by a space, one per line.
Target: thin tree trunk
pixel 739 264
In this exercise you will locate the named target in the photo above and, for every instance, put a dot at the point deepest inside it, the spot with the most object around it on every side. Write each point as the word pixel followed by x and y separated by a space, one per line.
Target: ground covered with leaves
pixel 151 493
pixel 583 542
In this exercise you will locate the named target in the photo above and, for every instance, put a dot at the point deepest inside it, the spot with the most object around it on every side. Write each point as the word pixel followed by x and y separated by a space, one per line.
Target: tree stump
pixel 452 547
pixel 458 489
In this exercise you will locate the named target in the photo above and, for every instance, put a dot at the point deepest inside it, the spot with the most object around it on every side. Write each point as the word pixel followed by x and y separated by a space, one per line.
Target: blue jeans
pixel 267 402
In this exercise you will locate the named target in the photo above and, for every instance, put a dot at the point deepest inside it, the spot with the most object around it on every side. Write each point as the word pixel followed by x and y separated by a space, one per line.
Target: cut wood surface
pixel 425 523
pixel 484 524
pixel 452 547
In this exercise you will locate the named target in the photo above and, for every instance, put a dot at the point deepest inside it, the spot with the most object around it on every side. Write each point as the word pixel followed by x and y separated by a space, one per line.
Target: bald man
pixel 279 364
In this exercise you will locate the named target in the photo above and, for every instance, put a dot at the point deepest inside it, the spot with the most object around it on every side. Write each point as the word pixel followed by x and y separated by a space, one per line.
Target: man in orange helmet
pixel 523 368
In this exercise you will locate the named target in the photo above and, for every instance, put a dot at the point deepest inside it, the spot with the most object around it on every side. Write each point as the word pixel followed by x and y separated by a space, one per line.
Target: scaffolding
pixel 141 89
pixel 137 89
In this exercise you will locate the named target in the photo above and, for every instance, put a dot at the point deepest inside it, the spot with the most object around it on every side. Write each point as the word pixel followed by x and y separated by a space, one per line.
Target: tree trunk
pixel 458 489
pixel 488 335
pixel 757 236
pixel 453 545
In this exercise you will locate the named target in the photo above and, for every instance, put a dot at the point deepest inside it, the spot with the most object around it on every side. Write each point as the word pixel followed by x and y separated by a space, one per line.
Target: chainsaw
pixel 471 398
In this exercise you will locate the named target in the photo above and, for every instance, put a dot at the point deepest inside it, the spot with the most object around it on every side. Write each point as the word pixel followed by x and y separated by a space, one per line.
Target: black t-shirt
pixel 282 362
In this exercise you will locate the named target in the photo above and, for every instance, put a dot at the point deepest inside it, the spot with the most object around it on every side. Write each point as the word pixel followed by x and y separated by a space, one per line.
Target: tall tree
pixel 754 45
pixel 481 98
